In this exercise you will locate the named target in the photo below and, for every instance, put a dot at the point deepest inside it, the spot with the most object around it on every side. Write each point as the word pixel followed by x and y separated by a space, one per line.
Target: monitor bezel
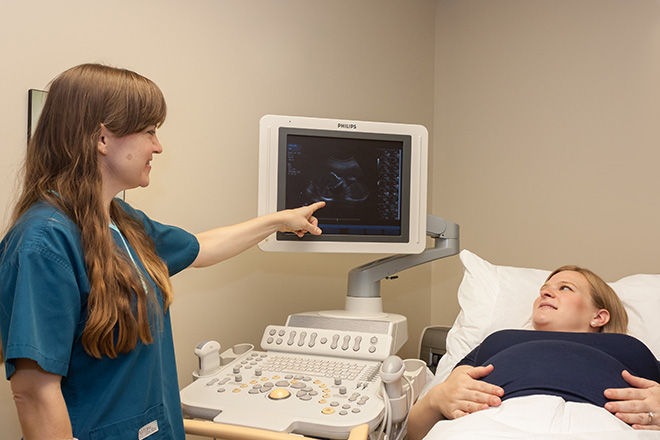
pixel 270 159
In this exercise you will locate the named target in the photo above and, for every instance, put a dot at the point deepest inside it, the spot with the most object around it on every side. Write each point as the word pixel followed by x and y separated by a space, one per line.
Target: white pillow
pixel 500 297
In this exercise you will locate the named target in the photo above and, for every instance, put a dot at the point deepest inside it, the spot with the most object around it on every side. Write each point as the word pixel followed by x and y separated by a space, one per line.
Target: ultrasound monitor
pixel 372 176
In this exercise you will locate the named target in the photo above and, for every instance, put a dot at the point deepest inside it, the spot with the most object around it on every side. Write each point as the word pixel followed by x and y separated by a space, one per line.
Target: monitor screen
pixel 371 175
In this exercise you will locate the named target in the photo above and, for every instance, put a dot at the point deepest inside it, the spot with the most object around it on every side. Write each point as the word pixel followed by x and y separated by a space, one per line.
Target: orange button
pixel 279 394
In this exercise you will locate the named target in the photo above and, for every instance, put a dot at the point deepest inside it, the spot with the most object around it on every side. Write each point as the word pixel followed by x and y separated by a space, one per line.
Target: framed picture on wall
pixel 36 101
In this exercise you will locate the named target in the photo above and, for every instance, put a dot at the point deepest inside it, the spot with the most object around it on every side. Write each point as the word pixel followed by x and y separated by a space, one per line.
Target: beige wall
pixel 547 134
pixel 222 65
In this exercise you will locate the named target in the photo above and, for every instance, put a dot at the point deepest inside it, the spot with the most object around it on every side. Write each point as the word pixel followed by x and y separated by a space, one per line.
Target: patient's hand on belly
pixel 463 393
pixel 460 394
pixel 638 406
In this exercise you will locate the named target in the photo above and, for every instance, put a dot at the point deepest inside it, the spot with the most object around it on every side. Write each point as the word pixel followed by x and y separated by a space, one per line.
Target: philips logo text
pixel 347 126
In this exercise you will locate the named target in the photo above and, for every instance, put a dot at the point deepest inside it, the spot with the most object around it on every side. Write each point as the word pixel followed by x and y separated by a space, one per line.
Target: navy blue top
pixel 575 366
pixel 43 307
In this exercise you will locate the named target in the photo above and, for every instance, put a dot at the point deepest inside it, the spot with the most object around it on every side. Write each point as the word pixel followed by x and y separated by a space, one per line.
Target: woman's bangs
pixel 137 104
pixel 149 106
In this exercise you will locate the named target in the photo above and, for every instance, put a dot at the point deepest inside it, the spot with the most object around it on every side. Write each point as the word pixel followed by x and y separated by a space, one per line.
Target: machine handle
pixel 231 432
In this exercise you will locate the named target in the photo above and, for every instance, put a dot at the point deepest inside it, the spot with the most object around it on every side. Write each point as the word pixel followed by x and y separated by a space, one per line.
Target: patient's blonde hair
pixel 603 297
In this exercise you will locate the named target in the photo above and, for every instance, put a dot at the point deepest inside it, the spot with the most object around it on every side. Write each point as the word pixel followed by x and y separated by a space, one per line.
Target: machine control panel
pixel 289 392
pixel 344 344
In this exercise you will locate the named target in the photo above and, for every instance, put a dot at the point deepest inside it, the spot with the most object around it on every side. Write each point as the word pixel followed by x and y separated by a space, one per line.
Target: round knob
pixel 279 394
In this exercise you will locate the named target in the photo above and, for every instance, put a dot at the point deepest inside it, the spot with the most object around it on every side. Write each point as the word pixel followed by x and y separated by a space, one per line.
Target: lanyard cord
pixel 114 227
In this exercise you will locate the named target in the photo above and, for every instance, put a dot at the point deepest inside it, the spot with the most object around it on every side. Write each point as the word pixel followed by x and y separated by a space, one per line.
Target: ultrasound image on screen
pixel 359 179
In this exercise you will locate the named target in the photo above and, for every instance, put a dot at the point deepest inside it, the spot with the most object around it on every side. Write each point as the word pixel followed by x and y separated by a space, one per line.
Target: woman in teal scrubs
pixel 84 278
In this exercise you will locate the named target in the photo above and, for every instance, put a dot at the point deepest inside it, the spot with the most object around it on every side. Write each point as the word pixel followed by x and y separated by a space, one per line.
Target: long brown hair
pixel 603 297
pixel 62 168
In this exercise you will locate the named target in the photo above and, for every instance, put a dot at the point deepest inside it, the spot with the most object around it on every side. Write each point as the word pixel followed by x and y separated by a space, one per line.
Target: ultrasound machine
pixel 322 374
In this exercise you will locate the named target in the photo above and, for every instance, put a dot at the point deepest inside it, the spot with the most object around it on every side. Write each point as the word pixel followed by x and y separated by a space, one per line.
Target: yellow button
pixel 323 401
pixel 317 381
pixel 279 394
pixel 264 379
pixel 323 386
pixel 294 381
pixel 244 385
pixel 326 395
pixel 326 390
pixel 276 377
pixel 327 410
pixel 236 390
pixel 253 381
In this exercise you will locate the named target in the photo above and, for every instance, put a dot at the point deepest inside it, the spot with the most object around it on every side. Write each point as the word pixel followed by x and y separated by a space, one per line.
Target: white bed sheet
pixel 493 298
pixel 538 418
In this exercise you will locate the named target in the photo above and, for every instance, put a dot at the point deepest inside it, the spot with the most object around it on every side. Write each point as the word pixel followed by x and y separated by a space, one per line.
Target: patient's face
pixel 564 304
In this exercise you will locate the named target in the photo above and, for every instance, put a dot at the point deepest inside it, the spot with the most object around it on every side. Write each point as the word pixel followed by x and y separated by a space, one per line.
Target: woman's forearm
pixel 422 418
pixel 41 408
pixel 427 411
pixel 460 394
pixel 219 244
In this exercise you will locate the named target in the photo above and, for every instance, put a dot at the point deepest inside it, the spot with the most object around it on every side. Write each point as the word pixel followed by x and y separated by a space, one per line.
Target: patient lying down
pixel 579 353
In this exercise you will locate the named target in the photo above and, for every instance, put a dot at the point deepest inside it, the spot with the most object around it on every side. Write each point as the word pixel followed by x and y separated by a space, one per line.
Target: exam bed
pixel 493 298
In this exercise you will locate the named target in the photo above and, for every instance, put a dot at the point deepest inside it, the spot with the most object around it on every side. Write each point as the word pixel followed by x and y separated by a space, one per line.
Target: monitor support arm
pixel 364 281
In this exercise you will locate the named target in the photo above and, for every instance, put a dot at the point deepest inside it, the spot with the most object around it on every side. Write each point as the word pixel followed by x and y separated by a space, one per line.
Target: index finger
pixel 314 206
pixel 483 386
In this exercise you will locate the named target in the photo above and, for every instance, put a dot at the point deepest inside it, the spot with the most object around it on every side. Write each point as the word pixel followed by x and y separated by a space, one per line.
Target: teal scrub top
pixel 43 306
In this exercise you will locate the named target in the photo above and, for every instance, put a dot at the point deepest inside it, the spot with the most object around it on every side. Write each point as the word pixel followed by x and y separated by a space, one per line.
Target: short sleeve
pixel 175 246
pixel 40 298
